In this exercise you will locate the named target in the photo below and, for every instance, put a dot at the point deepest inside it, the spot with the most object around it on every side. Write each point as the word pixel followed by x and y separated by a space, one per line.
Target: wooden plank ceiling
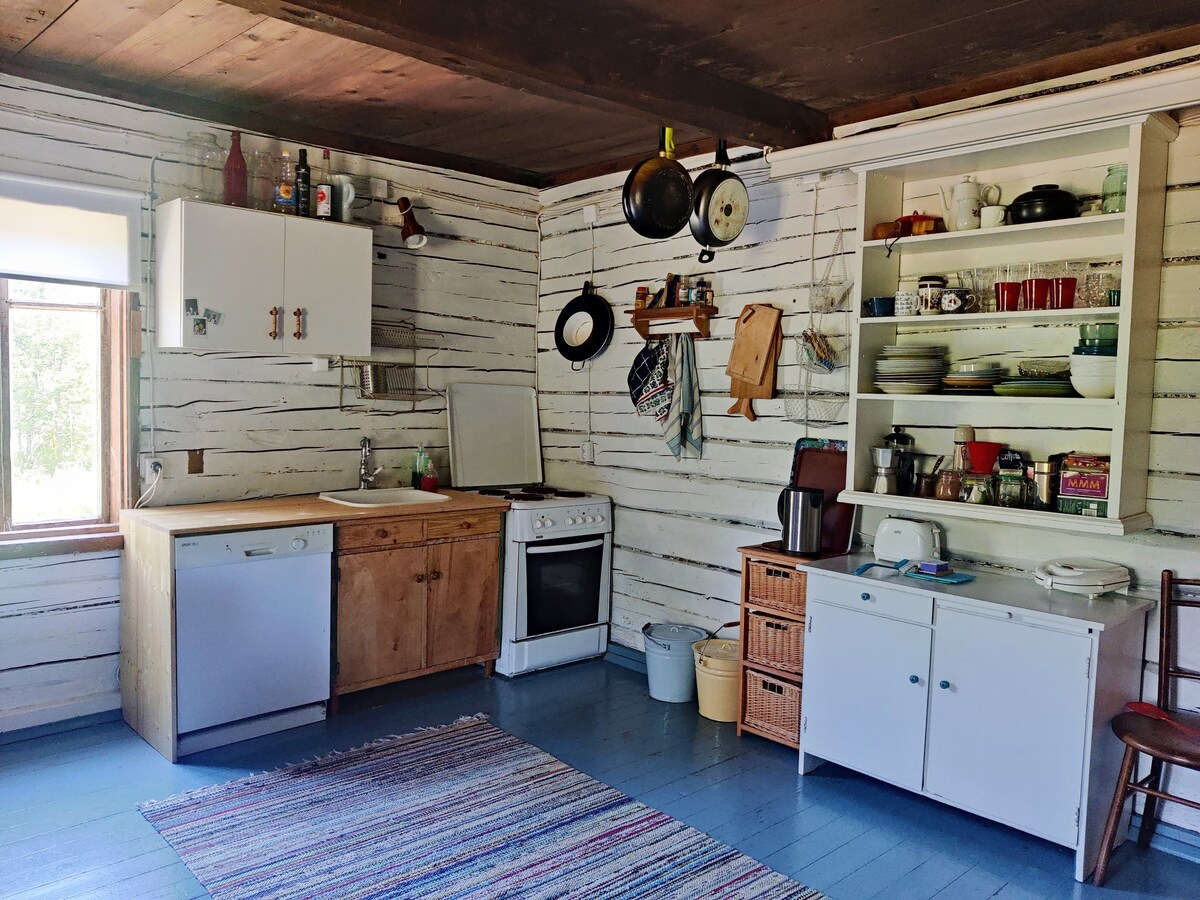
pixel 539 92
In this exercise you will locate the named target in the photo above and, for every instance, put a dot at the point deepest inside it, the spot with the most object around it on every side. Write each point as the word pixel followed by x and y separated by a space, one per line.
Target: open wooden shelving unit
pixel 662 321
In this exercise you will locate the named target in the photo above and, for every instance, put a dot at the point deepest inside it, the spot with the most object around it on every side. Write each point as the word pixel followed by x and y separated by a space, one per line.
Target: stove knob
pixel 568 521
pixel 299 544
pixel 589 519
pixel 599 518
pixel 549 523
pixel 537 523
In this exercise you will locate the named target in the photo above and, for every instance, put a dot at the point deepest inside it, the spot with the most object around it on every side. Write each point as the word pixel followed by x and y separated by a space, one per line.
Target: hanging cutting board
pixel 752 342
pixel 745 391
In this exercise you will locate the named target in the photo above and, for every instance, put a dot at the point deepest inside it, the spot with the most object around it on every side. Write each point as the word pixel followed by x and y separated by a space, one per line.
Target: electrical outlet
pixel 149 464
pixel 379 189
pixel 589 215
pixel 587 452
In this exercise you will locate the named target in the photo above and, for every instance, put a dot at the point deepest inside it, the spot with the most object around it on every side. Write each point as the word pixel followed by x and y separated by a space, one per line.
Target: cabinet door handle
pixel 944 685
pixel 419 579
pixel 276 312
pixel 864 596
pixel 381 532
pixel 299 332
pixel 434 576
pixel 914 679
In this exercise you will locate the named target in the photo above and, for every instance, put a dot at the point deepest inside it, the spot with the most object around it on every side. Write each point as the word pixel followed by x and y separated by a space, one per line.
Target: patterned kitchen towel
pixel 649 384
pixel 684 426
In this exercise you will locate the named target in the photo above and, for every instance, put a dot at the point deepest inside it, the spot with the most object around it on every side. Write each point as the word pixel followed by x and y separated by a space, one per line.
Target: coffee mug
pixel 908 303
pixel 958 300
pixel 931 300
pixel 879 306
pixel 1062 293
pixel 992 216
pixel 1008 296
pixel 1036 293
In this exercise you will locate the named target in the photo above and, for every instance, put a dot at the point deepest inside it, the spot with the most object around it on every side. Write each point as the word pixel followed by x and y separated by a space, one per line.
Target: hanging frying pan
pixel 584 327
pixel 657 198
pixel 721 207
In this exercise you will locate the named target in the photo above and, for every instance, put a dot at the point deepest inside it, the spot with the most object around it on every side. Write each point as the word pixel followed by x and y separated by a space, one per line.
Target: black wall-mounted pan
pixel 584 327
pixel 657 198
pixel 721 208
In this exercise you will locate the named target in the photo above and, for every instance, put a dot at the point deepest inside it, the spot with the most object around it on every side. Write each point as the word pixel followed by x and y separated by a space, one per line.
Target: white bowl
pixel 1093 364
pixel 1098 387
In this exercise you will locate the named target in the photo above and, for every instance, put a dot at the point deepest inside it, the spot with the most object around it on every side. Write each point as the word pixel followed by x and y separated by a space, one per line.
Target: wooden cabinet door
pixel 464 600
pixel 380 615
pixel 232 263
pixel 1007 730
pixel 327 276
pixel 865 692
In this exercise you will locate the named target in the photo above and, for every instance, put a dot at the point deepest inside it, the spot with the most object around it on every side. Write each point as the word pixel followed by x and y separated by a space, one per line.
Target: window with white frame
pixel 66 263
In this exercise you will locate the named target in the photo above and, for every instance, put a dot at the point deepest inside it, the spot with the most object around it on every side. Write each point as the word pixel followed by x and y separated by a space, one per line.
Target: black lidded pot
pixel 1044 203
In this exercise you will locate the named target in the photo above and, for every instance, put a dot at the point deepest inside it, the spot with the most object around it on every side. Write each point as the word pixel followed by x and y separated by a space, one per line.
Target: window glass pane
pixel 44 292
pixel 55 414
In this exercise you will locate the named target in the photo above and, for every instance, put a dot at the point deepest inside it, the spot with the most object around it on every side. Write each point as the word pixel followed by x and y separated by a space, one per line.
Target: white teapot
pixel 962 207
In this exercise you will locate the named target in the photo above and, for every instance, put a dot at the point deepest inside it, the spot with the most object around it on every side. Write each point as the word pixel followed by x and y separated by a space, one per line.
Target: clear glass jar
pixel 949 486
pixel 261 165
pixel 1115 183
pixel 1012 490
pixel 202 165
pixel 977 489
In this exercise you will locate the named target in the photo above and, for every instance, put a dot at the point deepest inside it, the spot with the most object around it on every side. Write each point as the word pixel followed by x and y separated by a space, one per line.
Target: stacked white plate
pixel 910 368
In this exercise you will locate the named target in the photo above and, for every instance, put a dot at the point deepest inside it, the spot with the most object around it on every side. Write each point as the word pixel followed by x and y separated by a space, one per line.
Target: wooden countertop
pixel 238 515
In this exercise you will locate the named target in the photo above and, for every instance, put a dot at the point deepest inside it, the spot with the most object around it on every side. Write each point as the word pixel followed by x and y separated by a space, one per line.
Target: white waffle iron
pixel 1092 577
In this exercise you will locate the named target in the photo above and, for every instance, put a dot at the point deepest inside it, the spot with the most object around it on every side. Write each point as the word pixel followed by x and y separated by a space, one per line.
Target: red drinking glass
pixel 1008 296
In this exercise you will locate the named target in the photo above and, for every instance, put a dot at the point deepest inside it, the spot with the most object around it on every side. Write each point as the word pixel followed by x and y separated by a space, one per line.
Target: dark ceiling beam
pixel 573 53
pixel 1060 66
pixel 300 131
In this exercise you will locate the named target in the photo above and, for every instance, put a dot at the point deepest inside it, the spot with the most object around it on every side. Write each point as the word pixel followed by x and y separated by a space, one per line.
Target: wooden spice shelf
pixel 668 320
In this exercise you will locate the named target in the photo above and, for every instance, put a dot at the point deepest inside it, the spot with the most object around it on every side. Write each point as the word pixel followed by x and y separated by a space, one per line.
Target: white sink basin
pixel 382 497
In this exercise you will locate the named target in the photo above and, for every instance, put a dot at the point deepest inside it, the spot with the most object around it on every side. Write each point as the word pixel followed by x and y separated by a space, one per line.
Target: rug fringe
pixel 332 754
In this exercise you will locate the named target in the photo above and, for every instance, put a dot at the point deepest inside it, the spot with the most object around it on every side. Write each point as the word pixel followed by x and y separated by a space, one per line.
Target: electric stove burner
pixel 525 497
pixel 493 492
pixel 539 489
pixel 570 494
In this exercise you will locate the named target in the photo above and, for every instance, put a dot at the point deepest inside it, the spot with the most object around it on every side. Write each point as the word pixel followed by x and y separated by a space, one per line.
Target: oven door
pixel 562 585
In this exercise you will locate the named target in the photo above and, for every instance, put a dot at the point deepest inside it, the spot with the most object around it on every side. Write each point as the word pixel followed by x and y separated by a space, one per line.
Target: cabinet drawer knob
pixel 466 525
pixel 381 532
pixel 864 596
pixel 914 679
pixel 434 576
pixel 419 579
pixel 944 685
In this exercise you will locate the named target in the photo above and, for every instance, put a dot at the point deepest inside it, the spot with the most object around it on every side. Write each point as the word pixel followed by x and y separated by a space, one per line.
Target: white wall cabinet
pixel 994 696
pixel 239 279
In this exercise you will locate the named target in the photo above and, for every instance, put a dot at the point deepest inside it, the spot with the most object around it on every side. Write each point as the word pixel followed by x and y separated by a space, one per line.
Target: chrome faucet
pixel 365 476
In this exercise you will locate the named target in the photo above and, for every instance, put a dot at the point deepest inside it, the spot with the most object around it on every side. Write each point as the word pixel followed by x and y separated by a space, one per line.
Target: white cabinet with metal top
pixel 999 703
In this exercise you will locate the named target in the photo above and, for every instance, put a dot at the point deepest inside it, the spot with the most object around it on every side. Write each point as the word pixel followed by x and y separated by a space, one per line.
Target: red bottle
pixel 429 479
pixel 235 173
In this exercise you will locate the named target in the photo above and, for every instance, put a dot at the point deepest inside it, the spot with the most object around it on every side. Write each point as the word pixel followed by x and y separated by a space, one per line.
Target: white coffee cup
pixel 908 303
pixel 992 216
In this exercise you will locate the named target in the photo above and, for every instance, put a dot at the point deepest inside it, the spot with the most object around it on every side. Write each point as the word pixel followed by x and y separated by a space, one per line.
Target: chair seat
pixel 1159 738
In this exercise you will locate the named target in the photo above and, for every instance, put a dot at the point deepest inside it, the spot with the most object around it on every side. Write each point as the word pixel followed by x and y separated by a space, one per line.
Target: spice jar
pixel 949 485
pixel 977 489
pixel 1011 490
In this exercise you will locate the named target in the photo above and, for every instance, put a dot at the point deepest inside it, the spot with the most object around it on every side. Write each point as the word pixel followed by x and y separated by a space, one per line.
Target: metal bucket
pixel 669 666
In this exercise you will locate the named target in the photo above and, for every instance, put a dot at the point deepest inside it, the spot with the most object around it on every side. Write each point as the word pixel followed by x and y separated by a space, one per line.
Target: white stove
pixel 557 556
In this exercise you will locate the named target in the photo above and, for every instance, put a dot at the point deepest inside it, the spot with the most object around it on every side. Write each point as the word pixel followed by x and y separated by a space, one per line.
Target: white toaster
pixel 897 539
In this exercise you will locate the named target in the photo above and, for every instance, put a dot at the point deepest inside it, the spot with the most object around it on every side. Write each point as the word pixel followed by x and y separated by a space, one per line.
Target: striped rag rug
pixel 464 811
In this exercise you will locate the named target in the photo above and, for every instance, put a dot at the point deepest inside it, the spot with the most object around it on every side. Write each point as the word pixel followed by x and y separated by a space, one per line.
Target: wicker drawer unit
pixel 774 593
pixel 777 587
pixel 771 707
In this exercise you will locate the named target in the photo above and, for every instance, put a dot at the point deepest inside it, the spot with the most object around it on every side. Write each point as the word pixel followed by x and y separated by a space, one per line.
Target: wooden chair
pixel 1162 741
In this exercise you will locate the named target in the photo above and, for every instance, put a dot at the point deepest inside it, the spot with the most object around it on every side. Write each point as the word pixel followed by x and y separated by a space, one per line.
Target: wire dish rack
pixel 394 380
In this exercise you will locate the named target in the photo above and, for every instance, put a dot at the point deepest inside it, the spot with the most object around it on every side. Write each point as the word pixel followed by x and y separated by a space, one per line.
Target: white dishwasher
pixel 252 633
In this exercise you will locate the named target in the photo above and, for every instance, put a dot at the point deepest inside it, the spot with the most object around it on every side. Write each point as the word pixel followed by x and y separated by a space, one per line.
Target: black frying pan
pixel 721 207
pixel 657 198
pixel 584 327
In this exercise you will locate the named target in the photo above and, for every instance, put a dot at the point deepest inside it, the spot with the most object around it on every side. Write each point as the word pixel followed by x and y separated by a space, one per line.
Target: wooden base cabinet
pixel 994 697
pixel 408 606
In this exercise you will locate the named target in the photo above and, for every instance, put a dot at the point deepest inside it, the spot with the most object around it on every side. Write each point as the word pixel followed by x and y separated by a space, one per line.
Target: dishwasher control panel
pixel 196 551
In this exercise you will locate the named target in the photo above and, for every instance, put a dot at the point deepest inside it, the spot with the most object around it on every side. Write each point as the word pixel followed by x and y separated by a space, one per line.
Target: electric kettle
pixel 800 511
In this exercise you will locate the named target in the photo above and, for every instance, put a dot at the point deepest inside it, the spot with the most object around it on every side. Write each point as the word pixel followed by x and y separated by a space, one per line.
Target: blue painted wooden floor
pixel 68 827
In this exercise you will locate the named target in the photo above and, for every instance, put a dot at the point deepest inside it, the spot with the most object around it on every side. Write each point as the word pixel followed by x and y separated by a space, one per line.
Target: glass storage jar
pixel 977 489
pixel 1114 189
pixel 202 163
pixel 949 485
pixel 1012 490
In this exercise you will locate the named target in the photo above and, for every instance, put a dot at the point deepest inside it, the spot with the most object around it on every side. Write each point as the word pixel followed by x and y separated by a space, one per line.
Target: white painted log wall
pixel 678 523
pixel 268 424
